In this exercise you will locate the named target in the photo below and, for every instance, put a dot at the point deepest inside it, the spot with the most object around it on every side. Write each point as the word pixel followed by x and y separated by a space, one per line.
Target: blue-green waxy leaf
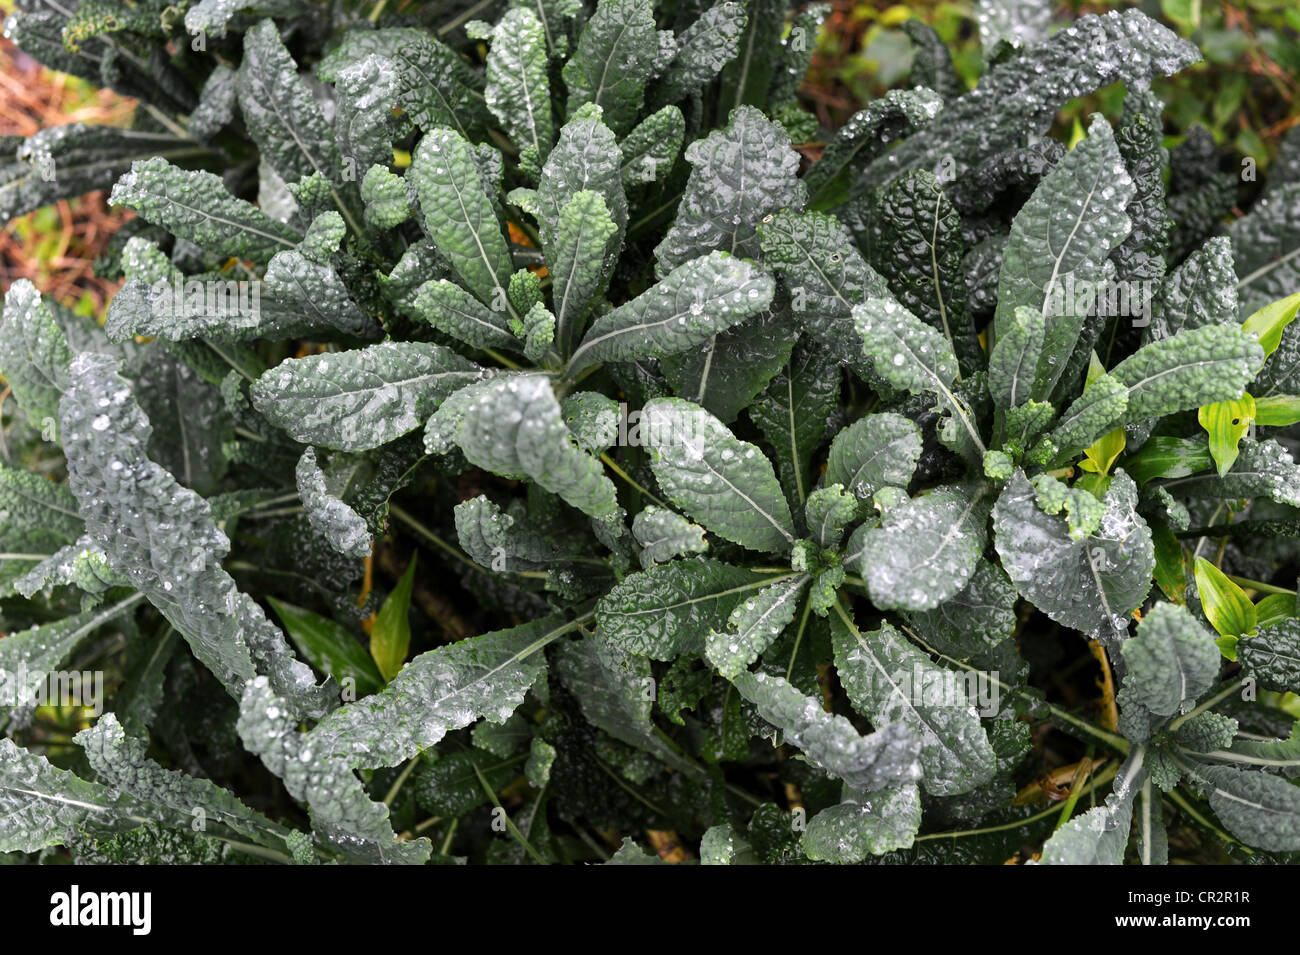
pixel 1172 661
pixel 513 426
pixel 1260 809
pixel 864 824
pixel 913 357
pixel 826 275
pixel 1014 361
pixel 613 60
pixel 1101 408
pixel 792 413
pixel 1263 468
pixel 980 614
pixel 741 174
pixel 42 804
pixel 576 259
pixel 1100 835
pixel 925 550
pixel 282 116
pixel 120 762
pixel 827 512
pixel 889 757
pixel 435 87
pixel 458 215
pixel 195 205
pixel 1022 95
pixel 1192 368
pixel 518 87
pixel 34 355
pixel 1266 249
pixel 724 483
pixel 1272 656
pixel 212 17
pixel 868 132
pixel 305 285
pixel 1202 291
pixel 692 304
pixel 889 680
pixel 611 688
pixel 726 373
pixel 28 657
pixel 652 147
pixel 162 537
pixel 37 517
pixel 1059 246
pixel 360 399
pixel 449 308
pixel 364 127
pixel 1091 585
pixel 343 527
pixel 664 535
pixel 754 625
pixel 875 451
pixel 703 49
pixel 665 611
pixel 1019 22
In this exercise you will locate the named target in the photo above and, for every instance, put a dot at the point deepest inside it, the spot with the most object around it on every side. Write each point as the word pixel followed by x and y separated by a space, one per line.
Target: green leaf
pixel 1263 469
pixel 924 551
pixel 518 87
pixel 34 355
pixel 888 680
pixel 1013 362
pixel 1277 411
pixel 731 368
pixel 1061 239
pixel 868 133
pixel 576 260
pixel 724 483
pixel 162 537
pixel 1100 835
pixel 304 283
pixel 703 49
pixel 613 60
pixel 1020 22
pixel 1265 246
pixel 652 147
pixel 1260 809
pixel 864 824
pixel 364 130
pixel 1272 655
pixel 827 512
pixel 282 116
pixel 664 535
pixel 1171 662
pixel 435 86
pixel 1202 291
pixel 754 625
pixel 1268 323
pixel 688 307
pixel 513 426
pixel 390 636
pixel 981 614
pixel 826 275
pixel 343 527
pixel 1167 457
pixel 665 611
pixel 195 205
pixel 1092 584
pixel 912 356
pixel 741 173
pixel 329 647
pixel 458 215
pixel 886 758
pixel 792 413
pixel 1190 369
pixel 363 398
pixel 1226 422
pixel 875 451
pixel 449 308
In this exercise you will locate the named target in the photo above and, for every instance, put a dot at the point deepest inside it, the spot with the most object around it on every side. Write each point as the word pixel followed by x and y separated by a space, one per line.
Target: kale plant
pixel 519 435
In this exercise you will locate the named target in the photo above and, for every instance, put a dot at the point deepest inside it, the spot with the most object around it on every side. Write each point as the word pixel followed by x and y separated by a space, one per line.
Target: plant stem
pixel 397 783
pixel 610 463
pixel 406 518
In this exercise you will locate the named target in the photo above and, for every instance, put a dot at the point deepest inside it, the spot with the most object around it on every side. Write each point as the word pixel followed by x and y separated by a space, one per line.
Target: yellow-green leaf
pixel 1277 411
pixel 1226 422
pixel 390 637
pixel 1103 452
pixel 1268 322
pixel 1274 609
pixel 1226 605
